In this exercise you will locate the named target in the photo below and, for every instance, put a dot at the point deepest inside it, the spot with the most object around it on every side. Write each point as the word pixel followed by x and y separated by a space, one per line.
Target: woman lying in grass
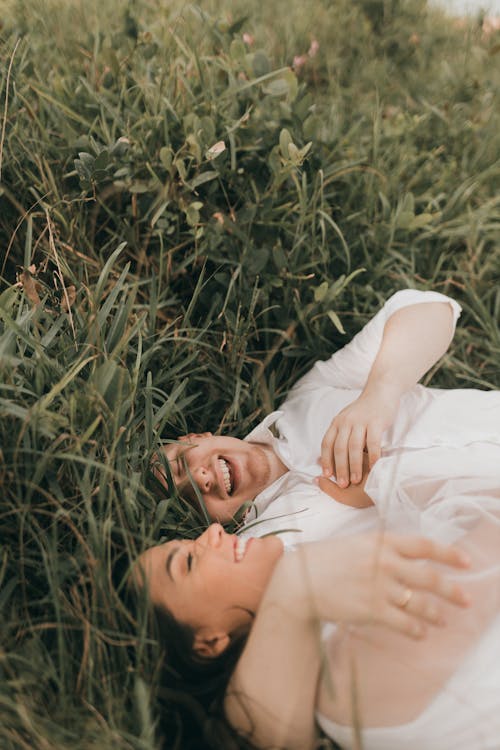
pixel 406 663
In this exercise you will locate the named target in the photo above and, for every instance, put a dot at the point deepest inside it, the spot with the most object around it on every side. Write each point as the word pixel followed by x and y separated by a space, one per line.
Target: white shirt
pixel 427 418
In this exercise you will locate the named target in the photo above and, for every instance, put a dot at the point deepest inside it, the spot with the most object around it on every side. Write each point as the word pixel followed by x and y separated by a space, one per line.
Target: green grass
pixel 149 288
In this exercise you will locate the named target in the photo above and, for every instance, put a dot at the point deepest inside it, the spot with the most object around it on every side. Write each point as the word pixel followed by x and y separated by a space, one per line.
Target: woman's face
pixel 213 583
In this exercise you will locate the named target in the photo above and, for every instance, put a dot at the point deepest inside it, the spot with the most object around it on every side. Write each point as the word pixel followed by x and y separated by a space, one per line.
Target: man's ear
pixel 212 644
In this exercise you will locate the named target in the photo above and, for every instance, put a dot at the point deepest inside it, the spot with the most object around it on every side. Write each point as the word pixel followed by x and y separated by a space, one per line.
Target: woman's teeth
pixel 239 549
pixel 226 475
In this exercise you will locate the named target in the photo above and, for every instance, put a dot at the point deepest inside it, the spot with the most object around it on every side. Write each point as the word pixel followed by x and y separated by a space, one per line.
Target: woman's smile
pixel 213 581
pixel 240 546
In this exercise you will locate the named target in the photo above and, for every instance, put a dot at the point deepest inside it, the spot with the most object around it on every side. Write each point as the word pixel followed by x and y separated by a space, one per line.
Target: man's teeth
pixel 239 549
pixel 226 475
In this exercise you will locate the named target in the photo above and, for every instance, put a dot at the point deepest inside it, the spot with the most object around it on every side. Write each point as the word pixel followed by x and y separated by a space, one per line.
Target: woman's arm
pixel 384 661
pixel 414 338
pixel 360 579
pixel 272 693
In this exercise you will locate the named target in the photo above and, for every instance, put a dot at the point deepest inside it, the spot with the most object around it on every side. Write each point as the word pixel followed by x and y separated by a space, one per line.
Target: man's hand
pixel 360 425
pixel 413 340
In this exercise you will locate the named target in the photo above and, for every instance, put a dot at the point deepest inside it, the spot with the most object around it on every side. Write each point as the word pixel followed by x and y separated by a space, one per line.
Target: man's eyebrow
pixel 170 558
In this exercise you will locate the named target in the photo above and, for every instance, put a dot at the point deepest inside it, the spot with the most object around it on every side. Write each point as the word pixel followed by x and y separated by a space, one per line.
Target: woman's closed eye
pixel 189 562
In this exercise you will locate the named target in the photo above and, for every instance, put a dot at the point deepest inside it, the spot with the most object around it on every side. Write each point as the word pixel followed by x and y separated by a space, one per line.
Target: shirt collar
pixel 263 433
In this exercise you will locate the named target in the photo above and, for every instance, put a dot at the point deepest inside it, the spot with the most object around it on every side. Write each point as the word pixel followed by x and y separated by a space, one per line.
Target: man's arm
pixel 414 338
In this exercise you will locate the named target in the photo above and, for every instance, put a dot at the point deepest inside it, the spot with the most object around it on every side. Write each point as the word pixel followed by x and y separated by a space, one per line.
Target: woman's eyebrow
pixel 170 558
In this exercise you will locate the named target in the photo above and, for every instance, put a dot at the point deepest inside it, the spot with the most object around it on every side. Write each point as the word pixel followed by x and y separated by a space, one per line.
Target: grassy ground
pixel 152 284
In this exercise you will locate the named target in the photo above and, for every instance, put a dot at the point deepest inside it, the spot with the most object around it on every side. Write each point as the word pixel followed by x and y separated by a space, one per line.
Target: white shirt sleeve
pixel 350 366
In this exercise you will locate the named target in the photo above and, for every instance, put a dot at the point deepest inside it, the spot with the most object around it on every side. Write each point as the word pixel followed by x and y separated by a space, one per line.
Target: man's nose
pixel 203 478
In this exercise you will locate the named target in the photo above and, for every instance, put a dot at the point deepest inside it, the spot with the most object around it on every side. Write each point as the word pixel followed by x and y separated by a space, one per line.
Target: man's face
pixel 227 471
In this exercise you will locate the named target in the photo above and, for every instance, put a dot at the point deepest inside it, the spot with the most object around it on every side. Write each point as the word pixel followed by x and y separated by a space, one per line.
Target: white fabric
pixel 427 417
pixel 439 475
pixel 465 715
pixel 458 500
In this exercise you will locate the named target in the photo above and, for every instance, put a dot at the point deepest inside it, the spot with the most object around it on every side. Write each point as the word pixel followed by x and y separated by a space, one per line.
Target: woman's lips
pixel 240 547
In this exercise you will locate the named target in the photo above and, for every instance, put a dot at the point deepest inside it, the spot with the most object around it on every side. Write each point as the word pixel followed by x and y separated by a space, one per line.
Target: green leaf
pixel 166 157
pixel 202 178
pixel 86 159
pixel 237 49
pixel 194 146
pixel 193 213
pixel 421 220
pixel 260 64
pixel 404 219
pixel 408 203
pixel 336 321
pixel 102 160
pixel 159 212
pixel 321 291
pixel 181 168
pixel 139 187
pixel 278 87
pixel 107 270
pixel 208 129
pixel 285 141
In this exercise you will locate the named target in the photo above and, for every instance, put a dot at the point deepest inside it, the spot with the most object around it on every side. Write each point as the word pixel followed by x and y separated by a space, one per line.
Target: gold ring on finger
pixel 405 598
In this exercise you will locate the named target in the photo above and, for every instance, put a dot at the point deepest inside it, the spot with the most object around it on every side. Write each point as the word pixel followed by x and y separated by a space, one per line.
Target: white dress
pixel 452 496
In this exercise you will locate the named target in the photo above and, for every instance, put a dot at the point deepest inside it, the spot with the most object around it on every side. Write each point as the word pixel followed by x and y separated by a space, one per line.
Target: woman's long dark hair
pixel 191 688
pixel 195 686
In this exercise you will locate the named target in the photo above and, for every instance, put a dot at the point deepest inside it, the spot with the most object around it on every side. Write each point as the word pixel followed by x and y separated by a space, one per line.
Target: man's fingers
pixel 355 450
pixel 327 450
pixel 373 440
pixel 341 457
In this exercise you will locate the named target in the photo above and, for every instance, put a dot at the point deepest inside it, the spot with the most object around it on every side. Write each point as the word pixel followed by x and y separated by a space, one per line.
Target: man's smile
pixel 226 475
pixel 225 471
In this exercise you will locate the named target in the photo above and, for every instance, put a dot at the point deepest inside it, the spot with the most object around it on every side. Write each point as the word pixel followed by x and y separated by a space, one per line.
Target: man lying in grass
pixel 362 416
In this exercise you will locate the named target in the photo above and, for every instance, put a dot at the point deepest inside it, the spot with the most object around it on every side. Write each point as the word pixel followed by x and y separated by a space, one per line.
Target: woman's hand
pixel 382 579
pixel 360 425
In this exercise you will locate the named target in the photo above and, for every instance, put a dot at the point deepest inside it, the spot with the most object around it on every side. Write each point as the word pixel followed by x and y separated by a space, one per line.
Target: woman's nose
pixel 212 537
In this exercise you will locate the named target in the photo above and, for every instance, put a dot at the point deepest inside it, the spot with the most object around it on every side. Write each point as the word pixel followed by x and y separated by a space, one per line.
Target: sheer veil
pixel 443 692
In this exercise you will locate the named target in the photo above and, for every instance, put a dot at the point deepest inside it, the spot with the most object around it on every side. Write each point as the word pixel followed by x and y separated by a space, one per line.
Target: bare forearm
pixel 415 337
pixel 272 693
